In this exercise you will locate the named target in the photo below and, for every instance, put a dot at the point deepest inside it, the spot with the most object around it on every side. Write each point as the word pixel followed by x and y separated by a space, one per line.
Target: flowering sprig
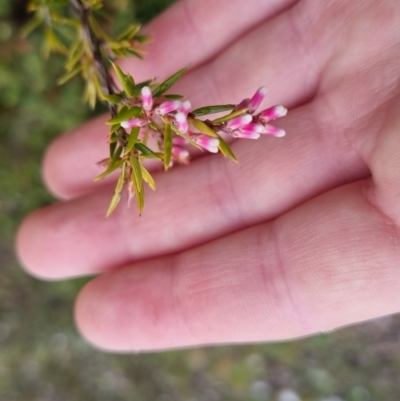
pixel 147 122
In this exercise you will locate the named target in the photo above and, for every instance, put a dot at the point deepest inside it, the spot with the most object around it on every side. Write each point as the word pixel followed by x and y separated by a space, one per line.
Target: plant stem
pixel 95 43
pixel 95 47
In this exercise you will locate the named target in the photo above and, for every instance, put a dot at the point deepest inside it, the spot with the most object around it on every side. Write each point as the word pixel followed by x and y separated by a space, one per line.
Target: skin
pixel 302 237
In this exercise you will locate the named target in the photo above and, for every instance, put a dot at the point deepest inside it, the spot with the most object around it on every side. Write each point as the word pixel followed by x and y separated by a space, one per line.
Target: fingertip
pixel 29 254
pixel 129 310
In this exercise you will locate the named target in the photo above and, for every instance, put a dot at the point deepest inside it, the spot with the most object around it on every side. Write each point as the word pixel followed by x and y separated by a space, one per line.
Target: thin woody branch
pixel 95 47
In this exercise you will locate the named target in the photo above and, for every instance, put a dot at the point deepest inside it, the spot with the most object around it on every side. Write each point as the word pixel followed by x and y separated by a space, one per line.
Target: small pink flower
pixel 272 113
pixel 168 107
pixel 257 99
pixel 206 142
pixel 239 121
pixel 181 122
pixel 185 107
pixel 245 134
pixel 253 127
pixel 274 131
pixel 180 155
pixel 147 98
pixel 179 141
pixel 133 123
pixel 244 104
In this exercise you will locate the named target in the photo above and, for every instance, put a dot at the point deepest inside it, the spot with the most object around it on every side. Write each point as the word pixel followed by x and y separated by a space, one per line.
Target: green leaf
pixel 113 99
pixel 148 178
pixel 147 152
pixel 203 111
pixel 204 128
pixel 167 145
pixel 137 181
pixel 174 97
pixel 69 75
pixel 226 150
pixel 121 179
pixel 132 139
pixel 126 80
pixel 230 116
pixel 129 32
pixel 113 146
pixel 113 129
pixel 110 169
pixel 125 114
pixel 113 204
pixel 162 88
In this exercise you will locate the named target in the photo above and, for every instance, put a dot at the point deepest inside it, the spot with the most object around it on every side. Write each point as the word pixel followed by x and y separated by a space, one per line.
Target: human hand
pixel 303 236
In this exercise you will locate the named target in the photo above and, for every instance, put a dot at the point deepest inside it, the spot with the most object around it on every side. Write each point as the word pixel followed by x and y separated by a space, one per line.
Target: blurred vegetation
pixel 41 355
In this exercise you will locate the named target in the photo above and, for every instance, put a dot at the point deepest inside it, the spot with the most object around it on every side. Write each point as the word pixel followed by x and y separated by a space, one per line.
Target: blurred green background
pixel 41 355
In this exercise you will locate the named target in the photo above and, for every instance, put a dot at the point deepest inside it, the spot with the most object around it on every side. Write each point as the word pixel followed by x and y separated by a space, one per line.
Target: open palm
pixel 302 236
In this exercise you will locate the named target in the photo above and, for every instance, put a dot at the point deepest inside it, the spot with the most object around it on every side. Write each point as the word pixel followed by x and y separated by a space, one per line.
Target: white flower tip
pixel 280 133
pixel 180 117
pixel 146 91
pixel 125 124
pixel 281 111
pixel 187 105
pixel 247 118
pixel 263 90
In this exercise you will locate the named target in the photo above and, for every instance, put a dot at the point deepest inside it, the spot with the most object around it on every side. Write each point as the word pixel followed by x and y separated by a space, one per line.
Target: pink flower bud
pixel 246 134
pixel 257 99
pixel 186 106
pixel 239 121
pixel 256 128
pixel 147 98
pixel 274 131
pixel 168 107
pixel 133 122
pixel 179 141
pixel 272 113
pixel 244 104
pixel 181 122
pixel 207 142
pixel 180 155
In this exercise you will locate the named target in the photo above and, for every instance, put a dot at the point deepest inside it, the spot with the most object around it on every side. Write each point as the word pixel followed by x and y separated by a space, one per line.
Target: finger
pixel 384 160
pixel 192 205
pixel 192 31
pixel 69 171
pixel 328 263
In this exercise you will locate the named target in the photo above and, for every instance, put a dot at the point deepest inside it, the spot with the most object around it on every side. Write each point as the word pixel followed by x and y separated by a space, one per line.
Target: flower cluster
pixel 251 126
pixel 243 124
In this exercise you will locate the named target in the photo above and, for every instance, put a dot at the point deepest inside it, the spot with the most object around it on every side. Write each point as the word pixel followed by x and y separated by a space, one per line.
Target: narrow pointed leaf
pixel 110 170
pixel 147 152
pixel 69 75
pixel 124 115
pixel 167 145
pixel 126 80
pixel 121 179
pixel 226 150
pixel 204 128
pixel 174 97
pixel 147 177
pixel 137 181
pixel 162 88
pixel 114 99
pixel 203 111
pixel 113 204
pixel 229 116
pixel 132 139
